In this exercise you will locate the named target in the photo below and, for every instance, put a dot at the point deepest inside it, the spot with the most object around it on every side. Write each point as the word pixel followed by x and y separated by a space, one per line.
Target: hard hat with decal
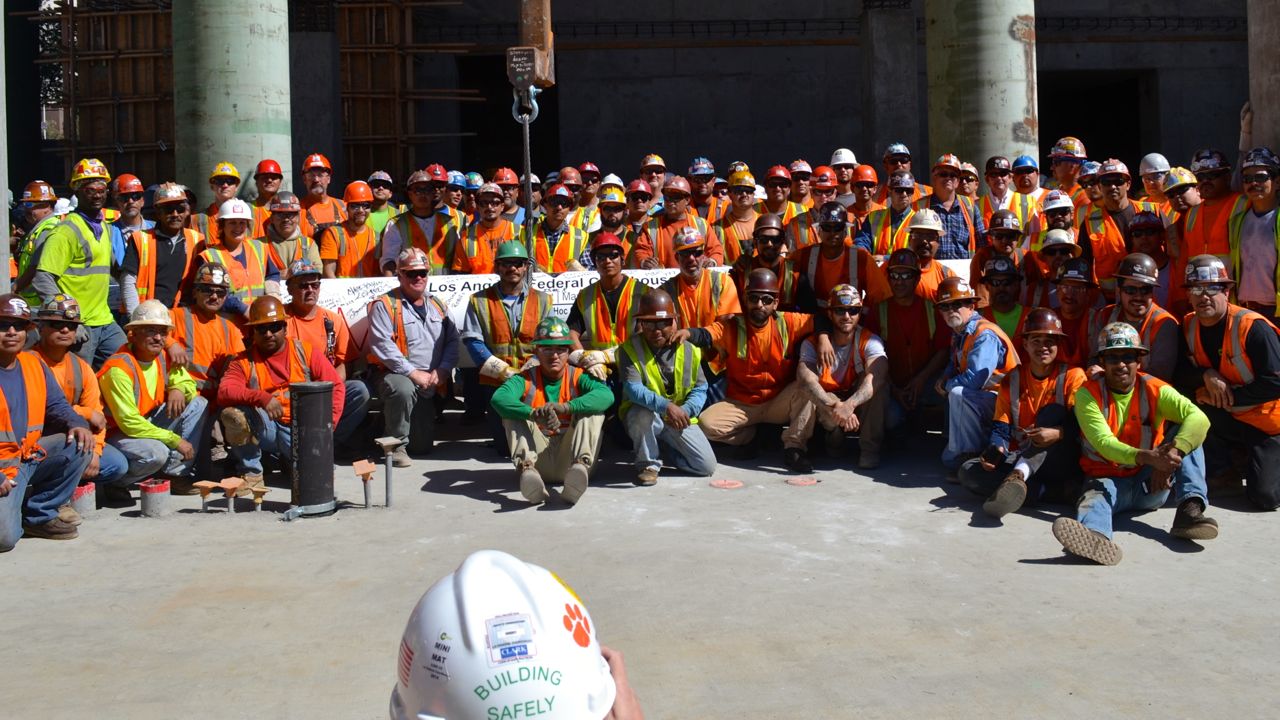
pixel 213 274
pixel 901 180
pixel 234 209
pixel 224 169
pixel 844 295
pixel 656 305
pixel 1089 168
pixel 1057 200
pixel 832 213
pixel 800 166
pixel 169 193
pixel 412 258
pixel 552 331
pixel 741 178
pixel 1112 166
pixel 60 308
pixel 612 180
pixel 1076 270
pixel 489 189
pixel 39 191
pixel 968 170
pixel 896 148
pixel 948 160
pixel 611 196
pixel 1138 267
pixel 1261 157
pixel 999 266
pixel 1206 270
pixel 588 168
pixel 824 178
pixel 505 176
pixel 316 161
pixel 687 238
pixel 474 181
pixel 1068 147
pixel 639 186
pixel 1120 336
pixel 998 164
pixel 266 310
pixel 14 307
pixel 954 289
pixel 1208 160
pixel 512 250
pixel 701 166
pixel 926 219
pixel 653 161
pixel 1178 177
pixel 843 156
pixel 89 170
pixel 302 267
pixel 127 183
pixel 151 313
pixel 456 179
pixel 676 185
pixel 437 173
pixel 284 201
pixel 903 259
pixel 1043 321
pixel 1005 220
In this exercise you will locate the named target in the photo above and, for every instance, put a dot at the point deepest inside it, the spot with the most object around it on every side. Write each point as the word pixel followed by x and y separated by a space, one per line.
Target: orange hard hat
pixel 505 176
pixel 569 176
pixel 358 191
pixel 39 191
pixel 127 183
pixel 265 310
pixel 777 171
pixel 677 184
pixel 865 173
pixel 953 289
pixel 823 178
pixel 316 160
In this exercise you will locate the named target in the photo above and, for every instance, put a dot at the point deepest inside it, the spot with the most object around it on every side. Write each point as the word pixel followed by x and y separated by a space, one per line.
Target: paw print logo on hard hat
pixel 575 621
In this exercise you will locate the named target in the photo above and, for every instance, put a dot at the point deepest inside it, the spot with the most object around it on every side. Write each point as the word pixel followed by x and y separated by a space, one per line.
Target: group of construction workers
pixel 822 296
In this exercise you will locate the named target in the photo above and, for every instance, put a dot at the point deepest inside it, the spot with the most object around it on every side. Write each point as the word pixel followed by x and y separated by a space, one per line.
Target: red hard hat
pixel 640 186
pixel 505 176
pixel 587 167
pixel 127 183
pixel 679 184
pixel 316 160
pixel 437 173
pixel 823 178
pixel 777 171
pixel 569 176
pixel 604 240
pixel 269 167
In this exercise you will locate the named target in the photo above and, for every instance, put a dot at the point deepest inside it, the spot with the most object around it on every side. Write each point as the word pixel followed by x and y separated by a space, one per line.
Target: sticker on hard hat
pixel 19 306
pixel 439 656
pixel 1208 273
pixel 510 639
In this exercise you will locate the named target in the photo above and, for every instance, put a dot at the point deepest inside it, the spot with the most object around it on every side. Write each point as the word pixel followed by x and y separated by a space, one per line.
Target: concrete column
pixel 981 57
pixel 890 90
pixel 230 89
pixel 1264 71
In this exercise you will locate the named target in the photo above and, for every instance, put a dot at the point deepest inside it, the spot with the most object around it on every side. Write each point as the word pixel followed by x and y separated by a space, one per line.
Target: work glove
pixel 546 419
pixel 532 362
pixel 495 368
pixel 82 334
pixel 593 362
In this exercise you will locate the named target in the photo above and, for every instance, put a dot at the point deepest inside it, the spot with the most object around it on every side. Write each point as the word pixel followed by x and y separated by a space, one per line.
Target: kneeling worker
pixel 553 414
pixel 663 390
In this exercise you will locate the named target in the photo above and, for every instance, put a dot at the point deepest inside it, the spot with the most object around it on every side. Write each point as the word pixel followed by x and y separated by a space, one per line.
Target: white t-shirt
pixel 1258 258
pixel 875 349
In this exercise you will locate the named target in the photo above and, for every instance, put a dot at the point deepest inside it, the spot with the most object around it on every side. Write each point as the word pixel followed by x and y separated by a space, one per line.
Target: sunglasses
pixel 948 176
pixel 1121 358
pixel 309 285
pixel 1025 171
pixel 776 184
pixel 1207 290
pixel 898 160
pixel 1178 191
pixel 512 263
pixel 359 206
pixel 213 290
pixel 1088 183
pixel 270 328
pixel 130 197
pixel 800 176
pixel 657 324
pixel 60 325
pixel 824 191
pixel 742 191
pixel 1001 282
pixel 768 239
pixel 12 325
pixel 414 274
pixel 1257 178
pixel 692 252
pixel 559 204
pixel 1056 252
pixel 640 197
pixel 845 311
pixel 999 173
pixel 1211 175
pixel 572 187
pixel 865 186
pixel 419 189
pixel 953 305
pixel 902 191
pixel 489 202
pixel 762 298
pixel 380 185
pixel 225 181
pixel 832 227
pixel 1114 180
pixel 1137 290
pixel 903 276
pixel 613 255
pixel 171 208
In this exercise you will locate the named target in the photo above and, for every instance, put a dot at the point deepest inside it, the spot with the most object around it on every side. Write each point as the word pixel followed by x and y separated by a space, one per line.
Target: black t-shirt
pixel 576 321
pixel 1262 346
pixel 171 265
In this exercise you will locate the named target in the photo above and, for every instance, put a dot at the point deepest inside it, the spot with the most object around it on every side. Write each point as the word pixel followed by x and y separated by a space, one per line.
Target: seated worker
pixel 887 229
pixel 349 249
pixel 414 347
pixel 284 240
pixel 663 390
pixel 1128 462
pixel 603 314
pixel 1033 433
pixel 254 393
pixel 203 341
pixel 553 414
pixel 981 355
pixel 655 248
pixel 925 235
pixel 835 260
pixel 794 292
pixel 48 466
pixel 155 415
pixel 1235 373
pixel 1056 249
pixel 1003 281
pixel 850 395
pixel 1136 279
pixel 1004 235
pixel 702 296
pixel 914 341
pixel 759 349
pixel 481 239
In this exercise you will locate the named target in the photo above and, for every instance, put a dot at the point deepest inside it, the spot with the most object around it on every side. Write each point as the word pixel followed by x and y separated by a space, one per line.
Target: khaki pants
pixel 733 423
pixel 871 420
pixel 552 456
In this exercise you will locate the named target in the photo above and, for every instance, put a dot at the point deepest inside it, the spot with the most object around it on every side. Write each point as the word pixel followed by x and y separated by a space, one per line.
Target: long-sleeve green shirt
pixel 1172 405
pixel 117 395
pixel 594 397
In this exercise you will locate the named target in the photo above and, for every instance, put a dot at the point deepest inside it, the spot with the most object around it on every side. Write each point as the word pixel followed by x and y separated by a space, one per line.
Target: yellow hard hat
pixel 742 178
pixel 224 169
pixel 89 169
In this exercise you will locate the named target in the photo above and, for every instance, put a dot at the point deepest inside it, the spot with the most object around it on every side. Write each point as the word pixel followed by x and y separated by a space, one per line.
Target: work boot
pixel 797 460
pixel 532 487
pixel 114 496
pixel 868 459
pixel 400 457
pixel 182 486
pixel 251 480
pixel 1083 542
pixel 575 483
pixel 68 515
pixel 55 529
pixel 235 427
pixel 1008 497
pixel 1190 523
pixel 647 476
pixel 834 443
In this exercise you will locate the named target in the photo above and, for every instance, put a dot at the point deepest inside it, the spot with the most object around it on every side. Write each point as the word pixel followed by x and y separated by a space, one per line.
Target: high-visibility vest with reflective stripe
pixel 699 308
pixel 918 191
pixel 301 245
pixel 853 369
pixel 206 223
pixel 1234 364
pixel 89 272
pixel 311 227
pixel 365 261
pixel 715 208
pixel 248 279
pixel 145 244
pixel 200 362
pixel 1023 206
pixel 535 392
pixel 439 249
pixel 1234 226
pixel 932 318
pixel 1137 429
pixel 1017 402
pixel 1202 235
pixel 572 243
pixel 1108 242
pixel 885 238
pixel 811 270
pixel 514 346
pixel 663 251
pixel 967 210
pixel 801 231
pixel 684 367
pixel 145 399
pixel 18 445
pixel 1148 329
pixel 789 210
pixel 258 374
pixel 480 256
pixel 605 329
pixel 960 360
pixel 394 301
pixel 584 218
pixel 734 245
pixel 34 238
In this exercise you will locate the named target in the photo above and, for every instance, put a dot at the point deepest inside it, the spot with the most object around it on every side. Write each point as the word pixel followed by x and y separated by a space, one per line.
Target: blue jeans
pixel 148 457
pixel 52 481
pixel 112 466
pixel 272 436
pixel 969 414
pixel 354 408
pixel 1104 497
pixel 103 342
pixel 686 449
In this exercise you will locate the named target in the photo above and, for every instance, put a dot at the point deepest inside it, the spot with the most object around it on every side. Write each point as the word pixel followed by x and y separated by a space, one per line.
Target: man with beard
pixel 157 264
pixel 480 241
pixel 736 228
pixel 835 260
pixel 925 232
pixel 1206 228
pixel 888 229
pixel 801 177
pixel 794 293
pixel 350 248
pixel 1136 279
pixel 268 176
pixel 284 242
pixel 319 211
pixel 1026 182
pixel 1056 248
pixel 613 219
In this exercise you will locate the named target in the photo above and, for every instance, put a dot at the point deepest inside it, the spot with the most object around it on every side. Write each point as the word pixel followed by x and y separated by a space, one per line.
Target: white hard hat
pixel 499 634
pixel 1056 200
pixel 1153 162
pixel 613 180
pixel 843 156
pixel 150 312
pixel 926 219
pixel 235 209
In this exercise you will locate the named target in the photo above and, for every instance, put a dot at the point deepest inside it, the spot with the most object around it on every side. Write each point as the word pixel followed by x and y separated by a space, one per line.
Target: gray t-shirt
pixel 1258 258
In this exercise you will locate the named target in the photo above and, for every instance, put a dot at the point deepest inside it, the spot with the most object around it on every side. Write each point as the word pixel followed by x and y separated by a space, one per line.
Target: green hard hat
pixel 552 331
pixel 512 249
pixel 1120 336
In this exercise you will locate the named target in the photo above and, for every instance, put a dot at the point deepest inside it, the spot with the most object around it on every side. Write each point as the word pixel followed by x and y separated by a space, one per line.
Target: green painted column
pixel 981 57
pixel 1264 71
pixel 230 89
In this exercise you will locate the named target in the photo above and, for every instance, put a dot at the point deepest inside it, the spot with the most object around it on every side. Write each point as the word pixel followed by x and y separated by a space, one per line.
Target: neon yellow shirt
pixel 1172 405
pixel 117 395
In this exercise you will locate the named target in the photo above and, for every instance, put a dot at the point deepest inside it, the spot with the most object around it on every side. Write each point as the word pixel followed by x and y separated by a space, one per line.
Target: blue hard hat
pixel 1025 161
pixel 457 179
pixel 474 181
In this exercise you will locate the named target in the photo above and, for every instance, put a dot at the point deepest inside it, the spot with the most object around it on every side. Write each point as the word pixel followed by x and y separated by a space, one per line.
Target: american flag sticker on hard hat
pixel 406 662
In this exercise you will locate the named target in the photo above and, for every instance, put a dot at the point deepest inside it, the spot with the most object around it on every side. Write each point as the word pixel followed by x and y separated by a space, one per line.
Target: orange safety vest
pixel 605 329
pixel 810 256
pixel 144 243
pixel 1025 405
pixel 146 399
pixel 715 208
pixel 755 380
pixel 1148 329
pixel 357 255
pixel 480 246
pixel 885 236
pixel 393 301
pixel 439 249
pixel 919 191
pixel 1234 364
pixel 258 373
pixel 300 246
pixel 735 246
pixel 854 369
pixel 206 223
pixel 789 210
pixel 697 305
pixel 1108 242
pixel 203 341
pixel 857 217
pixel 513 348
pixel 967 210
pixel 960 359
pixel 583 218
pixel 1024 207
pixel 1206 228
pixel 535 392
pixel 661 234
pixel 572 243
pixel 17 448
pixel 248 279
pixel 1138 430
pixel 801 231
pixel 784 270
pixel 931 276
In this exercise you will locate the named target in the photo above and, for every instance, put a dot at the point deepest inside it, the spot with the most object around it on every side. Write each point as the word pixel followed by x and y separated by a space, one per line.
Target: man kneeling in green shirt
pixel 552 414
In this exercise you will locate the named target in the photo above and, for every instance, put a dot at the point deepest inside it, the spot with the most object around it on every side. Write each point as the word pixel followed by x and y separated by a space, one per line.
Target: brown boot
pixel 647 476
pixel 235 427
pixel 251 480
pixel 68 515
pixel 55 529
pixel 1190 522
pixel 1008 497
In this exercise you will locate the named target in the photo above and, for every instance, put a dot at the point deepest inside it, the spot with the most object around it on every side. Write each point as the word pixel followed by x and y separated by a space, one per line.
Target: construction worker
pixel 887 229
pixel 414 344
pixel 1183 193
pixel 224 183
pixel 57 321
pixel 1004 235
pixel 1128 462
pixel 382 210
pixel 1034 450
pixel 702 176
pixel 849 395
pixel 326 331
pixel 963 228
pixel 915 342
pixel 925 233
pixel 835 260
pixel 865 184
pixel 981 355
pixel 664 391
pixel 1057 246
pixel 1091 189
pixel 1077 295
pixel 760 351
pixel 1148 235
pixel 654 249
pixel 1026 182
pixel 1236 357
pixel 1057 212
pixel 75 260
pixel 319 211
pixel 999 195
pixel 720 189
pixel 1136 279
pixel 505 178
pixel 613 219
pixel 1003 280
pixel 1103 230
pixel 558 246
pixel 968 181
pixel 801 177
pixel 499 329
pixel 1066 160
pixel 254 393
pixel 701 295
pixel 455 189
pixel 653 170
pixel 1254 233
pixel 157 264
pixel 130 197
pixel 736 226
pixel 350 248
pixel 203 341
pixel 1153 169
pixel 474 181
pixel 603 314
pixel 38 474
pixel 843 164
pixel 584 217
pixel 553 414
pixel 253 272
pixel 639 195
pixel 435 234
pixel 1206 227
pixel 155 414
pixel 38 198
pixel 802 230
pixel 535 189
pixel 480 241
pixel 268 177
pixel 897 158
pixel 777 189
pixel 284 241
pixel 794 292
